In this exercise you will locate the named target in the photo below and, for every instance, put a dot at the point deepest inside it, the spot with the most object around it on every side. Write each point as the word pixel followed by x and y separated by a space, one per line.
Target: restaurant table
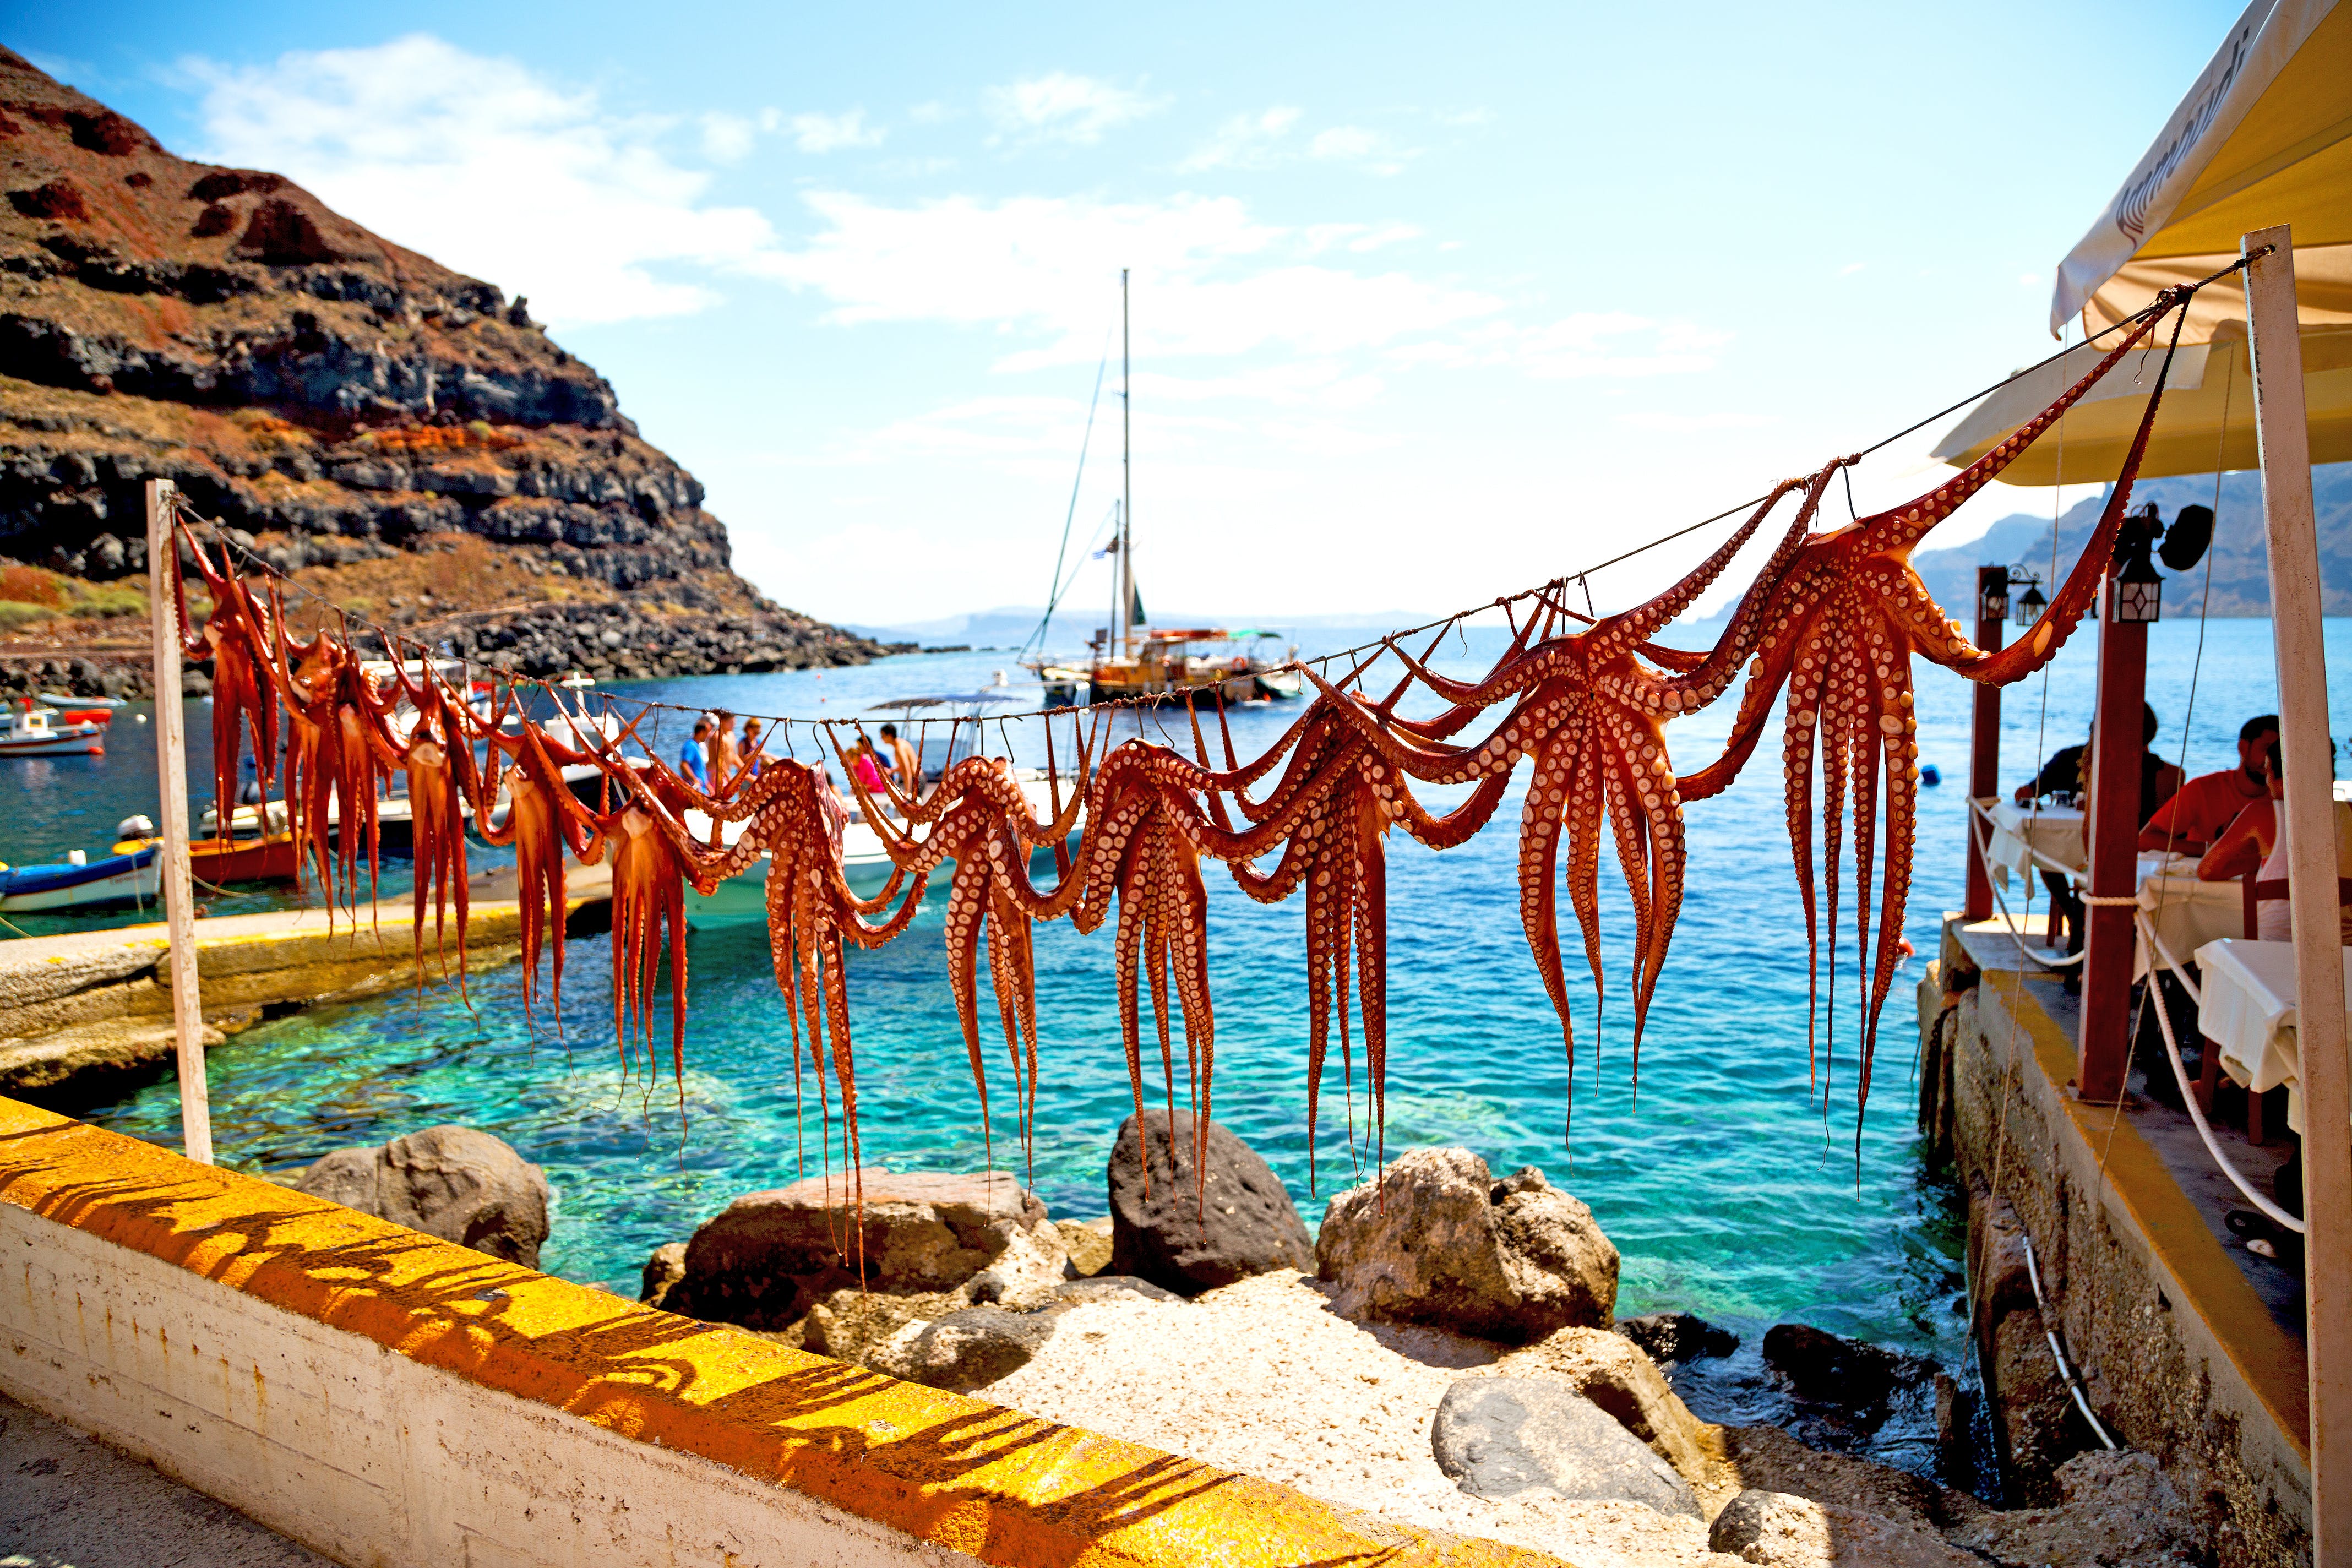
pixel 2249 1013
pixel 2055 831
pixel 2187 913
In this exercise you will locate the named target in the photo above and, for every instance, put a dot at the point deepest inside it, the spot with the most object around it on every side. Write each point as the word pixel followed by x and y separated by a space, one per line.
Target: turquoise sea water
pixel 1729 1186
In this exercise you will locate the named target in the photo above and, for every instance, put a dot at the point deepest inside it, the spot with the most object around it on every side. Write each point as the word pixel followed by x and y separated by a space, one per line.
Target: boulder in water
pixel 1198 1227
pixel 1438 1240
pixel 1497 1437
pixel 456 1182
pixel 1673 1337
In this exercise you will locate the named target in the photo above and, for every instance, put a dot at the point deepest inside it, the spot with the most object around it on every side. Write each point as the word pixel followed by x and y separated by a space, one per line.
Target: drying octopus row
pixel 1828 627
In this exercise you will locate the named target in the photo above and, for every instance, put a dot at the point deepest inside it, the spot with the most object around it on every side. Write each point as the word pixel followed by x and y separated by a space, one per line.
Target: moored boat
pixel 126 877
pixel 33 731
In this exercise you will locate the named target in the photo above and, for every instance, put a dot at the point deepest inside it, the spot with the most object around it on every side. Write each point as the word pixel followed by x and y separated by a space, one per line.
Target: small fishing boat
pixel 31 732
pixel 271 858
pixel 60 699
pixel 125 876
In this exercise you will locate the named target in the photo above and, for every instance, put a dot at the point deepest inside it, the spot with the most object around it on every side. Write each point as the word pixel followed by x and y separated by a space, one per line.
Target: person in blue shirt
pixel 689 756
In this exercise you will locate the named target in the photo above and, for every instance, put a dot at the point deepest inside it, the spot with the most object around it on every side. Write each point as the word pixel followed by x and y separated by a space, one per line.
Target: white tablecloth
pixel 2249 1012
pixel 2187 913
pixel 2055 831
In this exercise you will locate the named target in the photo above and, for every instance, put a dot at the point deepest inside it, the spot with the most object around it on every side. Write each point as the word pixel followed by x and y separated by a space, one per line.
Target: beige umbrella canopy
pixel 2264 137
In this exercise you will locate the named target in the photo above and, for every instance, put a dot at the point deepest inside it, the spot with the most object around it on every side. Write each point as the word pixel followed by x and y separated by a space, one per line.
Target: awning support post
pixel 172 776
pixel 2285 442
pixel 2118 739
pixel 1984 737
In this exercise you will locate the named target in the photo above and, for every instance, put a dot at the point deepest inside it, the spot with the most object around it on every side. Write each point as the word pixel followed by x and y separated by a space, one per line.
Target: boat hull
pixel 84 739
pixel 272 860
pixel 116 880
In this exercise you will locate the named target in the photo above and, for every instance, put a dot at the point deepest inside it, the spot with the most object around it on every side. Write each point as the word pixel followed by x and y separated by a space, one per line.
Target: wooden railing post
pixel 2112 823
pixel 172 776
pixel 1984 738
pixel 2283 441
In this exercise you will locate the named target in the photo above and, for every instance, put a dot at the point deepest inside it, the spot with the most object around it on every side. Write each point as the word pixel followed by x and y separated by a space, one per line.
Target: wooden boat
pixel 271 858
pixel 29 733
pixel 127 877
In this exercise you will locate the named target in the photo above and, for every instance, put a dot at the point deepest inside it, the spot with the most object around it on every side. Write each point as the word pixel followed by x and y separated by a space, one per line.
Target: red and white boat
pixel 31 732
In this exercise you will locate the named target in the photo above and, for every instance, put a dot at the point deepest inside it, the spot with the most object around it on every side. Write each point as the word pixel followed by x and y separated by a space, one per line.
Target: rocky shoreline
pixel 1447 1355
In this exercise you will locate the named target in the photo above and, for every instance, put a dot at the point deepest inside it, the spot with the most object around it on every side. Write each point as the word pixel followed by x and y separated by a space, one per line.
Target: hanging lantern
pixel 2139 589
pixel 2139 592
pixel 1992 594
pixel 2030 607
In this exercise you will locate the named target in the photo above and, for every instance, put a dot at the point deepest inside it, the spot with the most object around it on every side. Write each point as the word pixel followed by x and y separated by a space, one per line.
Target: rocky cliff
pixel 401 438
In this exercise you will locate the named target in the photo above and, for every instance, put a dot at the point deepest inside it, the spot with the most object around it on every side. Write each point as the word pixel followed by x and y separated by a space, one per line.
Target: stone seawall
pixel 2179 1357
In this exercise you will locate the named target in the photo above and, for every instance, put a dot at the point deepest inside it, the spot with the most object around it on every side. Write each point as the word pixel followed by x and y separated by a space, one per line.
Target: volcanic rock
pixel 1834 1370
pixel 1497 1437
pixel 2116 1507
pixel 769 1256
pixel 965 1350
pixel 456 1182
pixel 1671 1337
pixel 1440 1241
pixel 1087 1241
pixel 1612 1372
pixel 1197 1227
pixel 1780 1529
pixel 357 413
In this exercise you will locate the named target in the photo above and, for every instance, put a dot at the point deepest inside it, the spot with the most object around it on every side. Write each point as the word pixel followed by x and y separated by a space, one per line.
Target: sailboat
pixel 1129 659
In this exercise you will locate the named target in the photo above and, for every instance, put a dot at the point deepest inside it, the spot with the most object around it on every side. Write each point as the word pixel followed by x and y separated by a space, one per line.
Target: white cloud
pixel 1371 150
pixel 487 167
pixel 726 138
pixel 831 132
pixel 1244 142
pixel 1061 107
pixel 1681 424
pixel 1588 345
pixel 1850 267
pixel 1465 117
pixel 930 113
pixel 1209 279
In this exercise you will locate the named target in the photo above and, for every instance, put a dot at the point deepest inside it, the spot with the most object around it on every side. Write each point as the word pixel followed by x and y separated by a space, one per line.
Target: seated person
pixel 2192 821
pixel 2067 772
pixel 866 767
pixel 2257 842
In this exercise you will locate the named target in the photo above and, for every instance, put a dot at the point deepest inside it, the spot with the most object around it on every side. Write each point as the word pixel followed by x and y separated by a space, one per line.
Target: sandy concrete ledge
pixel 88 1004
pixel 384 1397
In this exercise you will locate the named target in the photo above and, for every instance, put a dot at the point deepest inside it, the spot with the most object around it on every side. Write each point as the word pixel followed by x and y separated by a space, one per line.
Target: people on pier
pixel 691 754
pixel 904 763
pixel 2193 820
pixel 2068 775
pixel 753 741
pixel 726 762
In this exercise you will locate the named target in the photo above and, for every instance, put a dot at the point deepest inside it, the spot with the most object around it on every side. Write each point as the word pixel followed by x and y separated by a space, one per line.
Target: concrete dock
pixel 84 1006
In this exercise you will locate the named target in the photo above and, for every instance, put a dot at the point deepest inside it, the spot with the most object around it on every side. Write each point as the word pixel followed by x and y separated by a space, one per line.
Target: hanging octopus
pixel 333 767
pixel 1330 811
pixel 237 638
pixel 1838 625
pixel 1590 713
pixel 984 827
pixel 436 754
pixel 543 821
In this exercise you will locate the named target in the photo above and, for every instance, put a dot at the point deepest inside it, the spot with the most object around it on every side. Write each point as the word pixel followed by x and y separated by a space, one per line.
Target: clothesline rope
pixel 1545 594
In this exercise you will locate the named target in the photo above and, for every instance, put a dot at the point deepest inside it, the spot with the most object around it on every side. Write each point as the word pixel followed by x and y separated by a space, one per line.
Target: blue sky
pixel 1430 302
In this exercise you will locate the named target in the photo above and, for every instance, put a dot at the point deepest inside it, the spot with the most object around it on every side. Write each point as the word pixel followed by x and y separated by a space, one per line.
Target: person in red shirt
pixel 2193 820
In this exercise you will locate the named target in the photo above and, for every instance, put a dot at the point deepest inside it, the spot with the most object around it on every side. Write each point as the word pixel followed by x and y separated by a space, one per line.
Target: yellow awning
pixel 2263 138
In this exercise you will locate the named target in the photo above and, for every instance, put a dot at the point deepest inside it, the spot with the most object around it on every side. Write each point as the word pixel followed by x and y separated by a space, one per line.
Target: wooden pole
pixel 2283 441
pixel 2117 741
pixel 1984 741
pixel 172 775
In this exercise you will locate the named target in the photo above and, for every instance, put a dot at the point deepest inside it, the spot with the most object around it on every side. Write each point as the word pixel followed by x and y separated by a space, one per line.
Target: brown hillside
pixel 365 417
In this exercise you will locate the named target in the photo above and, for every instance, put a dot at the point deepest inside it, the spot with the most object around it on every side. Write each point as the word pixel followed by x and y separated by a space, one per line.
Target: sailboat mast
pixel 1127 477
